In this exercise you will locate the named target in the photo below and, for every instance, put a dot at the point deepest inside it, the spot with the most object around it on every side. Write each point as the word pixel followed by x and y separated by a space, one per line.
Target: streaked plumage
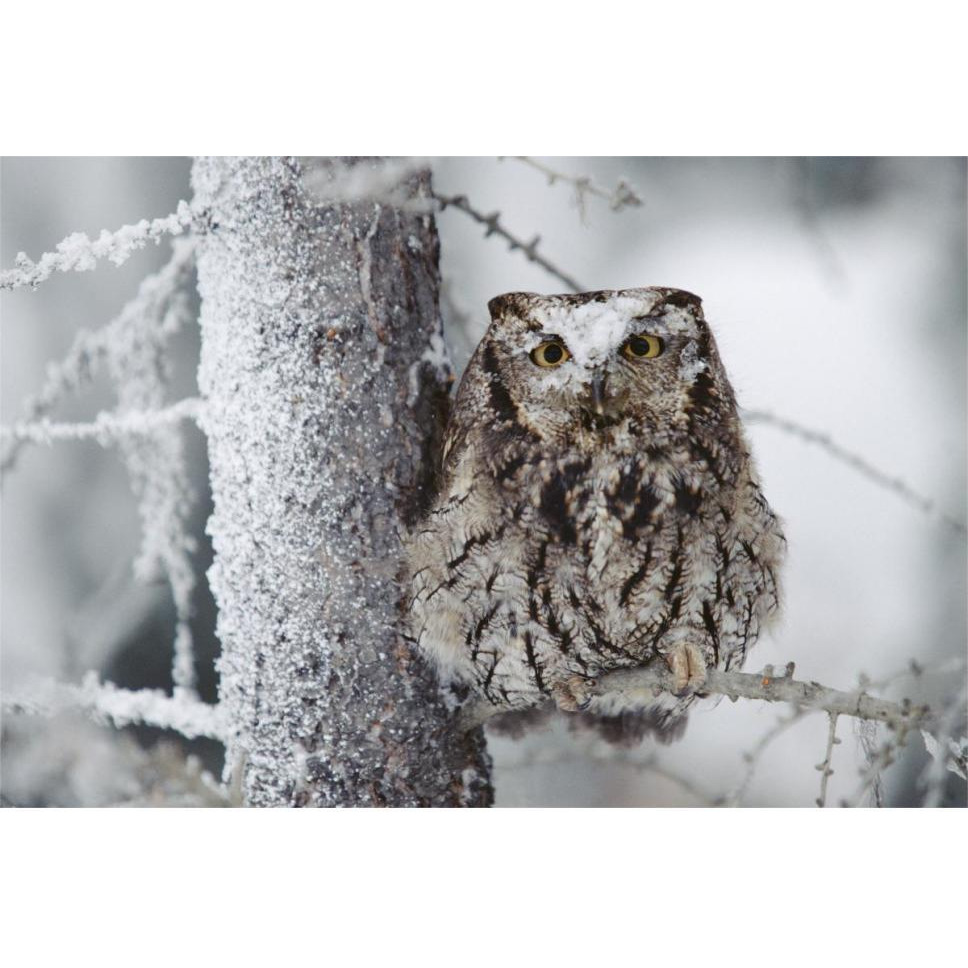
pixel 598 508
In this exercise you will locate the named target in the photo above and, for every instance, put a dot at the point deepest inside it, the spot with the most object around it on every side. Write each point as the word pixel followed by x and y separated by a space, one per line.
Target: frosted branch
pixel 90 348
pixel 621 196
pixel 134 346
pixel 138 362
pixel 881 478
pixel 107 427
pixel 631 689
pixel 826 771
pixel 493 226
pixel 107 704
pixel 79 253
pixel 639 686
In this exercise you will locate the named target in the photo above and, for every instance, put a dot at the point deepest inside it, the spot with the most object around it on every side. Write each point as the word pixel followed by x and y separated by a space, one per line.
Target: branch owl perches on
pixel 598 508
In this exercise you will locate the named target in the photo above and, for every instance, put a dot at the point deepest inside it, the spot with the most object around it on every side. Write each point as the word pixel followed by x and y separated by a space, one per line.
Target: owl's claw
pixel 688 667
pixel 573 695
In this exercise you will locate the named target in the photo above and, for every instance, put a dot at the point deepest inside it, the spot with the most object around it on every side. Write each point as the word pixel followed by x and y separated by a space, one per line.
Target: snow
pixel 309 353
pixel 378 180
pixel 78 253
pixel 106 703
pixel 90 348
pixel 883 395
pixel 137 359
pixel 593 332
pixel 106 428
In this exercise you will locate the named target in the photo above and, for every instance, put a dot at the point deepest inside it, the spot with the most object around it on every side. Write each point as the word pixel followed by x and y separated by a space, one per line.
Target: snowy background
pixel 836 289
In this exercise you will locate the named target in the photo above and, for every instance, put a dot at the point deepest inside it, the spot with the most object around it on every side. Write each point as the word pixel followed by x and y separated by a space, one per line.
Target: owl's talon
pixel 688 667
pixel 573 695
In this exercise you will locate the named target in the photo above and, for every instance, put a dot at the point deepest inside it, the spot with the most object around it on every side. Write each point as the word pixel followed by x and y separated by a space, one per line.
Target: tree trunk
pixel 320 367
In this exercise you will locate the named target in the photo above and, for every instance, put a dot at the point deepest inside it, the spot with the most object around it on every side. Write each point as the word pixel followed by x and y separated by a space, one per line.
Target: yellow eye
pixel 550 353
pixel 642 347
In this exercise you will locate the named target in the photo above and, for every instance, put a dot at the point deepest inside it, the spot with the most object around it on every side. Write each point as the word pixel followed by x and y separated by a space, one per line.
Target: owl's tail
pixel 665 723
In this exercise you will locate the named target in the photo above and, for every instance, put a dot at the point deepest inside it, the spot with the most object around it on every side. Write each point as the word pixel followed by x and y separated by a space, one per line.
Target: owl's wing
pixel 464 413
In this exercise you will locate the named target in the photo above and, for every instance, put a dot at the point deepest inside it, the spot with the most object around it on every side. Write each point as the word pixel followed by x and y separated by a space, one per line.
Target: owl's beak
pixel 598 397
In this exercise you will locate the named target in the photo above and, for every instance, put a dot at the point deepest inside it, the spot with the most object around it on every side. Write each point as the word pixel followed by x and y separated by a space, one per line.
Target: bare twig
pixel 493 226
pixel 927 505
pixel 650 764
pixel 631 689
pixel 752 757
pixel 593 749
pixel 623 195
pixel 825 769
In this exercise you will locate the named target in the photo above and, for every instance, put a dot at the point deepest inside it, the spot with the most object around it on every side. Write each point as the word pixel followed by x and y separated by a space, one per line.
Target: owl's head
pixel 559 363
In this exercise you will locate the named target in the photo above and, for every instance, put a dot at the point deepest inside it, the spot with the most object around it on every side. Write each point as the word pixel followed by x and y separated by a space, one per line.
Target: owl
pixel 597 508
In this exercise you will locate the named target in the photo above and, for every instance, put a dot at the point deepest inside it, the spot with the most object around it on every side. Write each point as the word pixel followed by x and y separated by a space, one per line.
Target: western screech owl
pixel 598 506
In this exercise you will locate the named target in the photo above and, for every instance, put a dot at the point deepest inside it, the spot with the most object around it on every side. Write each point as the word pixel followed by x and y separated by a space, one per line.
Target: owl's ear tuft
pixel 509 302
pixel 683 299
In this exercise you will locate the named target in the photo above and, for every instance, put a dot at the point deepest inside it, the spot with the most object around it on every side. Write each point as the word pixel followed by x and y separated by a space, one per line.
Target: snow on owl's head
pixel 592 359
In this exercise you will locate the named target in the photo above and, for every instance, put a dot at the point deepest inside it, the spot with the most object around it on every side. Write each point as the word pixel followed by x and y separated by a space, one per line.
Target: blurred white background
pixel 836 289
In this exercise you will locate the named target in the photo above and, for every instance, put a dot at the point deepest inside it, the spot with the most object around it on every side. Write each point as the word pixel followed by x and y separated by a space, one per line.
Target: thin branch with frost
pixel 753 757
pixel 89 348
pixel 621 196
pixel 79 253
pixel 493 226
pixel 134 345
pixel 650 764
pixel 107 704
pixel 107 427
pixel 139 362
pixel 626 690
pixel 636 686
pixel 166 776
pixel 826 770
pixel 928 505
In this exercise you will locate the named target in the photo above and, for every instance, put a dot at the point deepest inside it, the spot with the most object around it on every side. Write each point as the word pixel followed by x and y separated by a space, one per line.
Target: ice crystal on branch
pixel 78 253
pixel 90 348
pixel 105 703
pixel 138 361
pixel 106 428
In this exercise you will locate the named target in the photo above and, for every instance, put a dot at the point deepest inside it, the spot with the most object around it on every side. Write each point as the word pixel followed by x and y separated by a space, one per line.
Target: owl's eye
pixel 642 347
pixel 550 353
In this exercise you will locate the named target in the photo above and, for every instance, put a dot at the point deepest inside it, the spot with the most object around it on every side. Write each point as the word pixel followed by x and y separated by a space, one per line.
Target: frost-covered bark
pixel 320 328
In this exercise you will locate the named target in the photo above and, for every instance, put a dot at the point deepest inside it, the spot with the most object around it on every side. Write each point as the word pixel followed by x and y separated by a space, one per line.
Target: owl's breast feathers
pixel 534 568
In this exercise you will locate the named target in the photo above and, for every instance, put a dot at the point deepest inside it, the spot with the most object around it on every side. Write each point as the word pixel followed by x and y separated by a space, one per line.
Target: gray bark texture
pixel 324 394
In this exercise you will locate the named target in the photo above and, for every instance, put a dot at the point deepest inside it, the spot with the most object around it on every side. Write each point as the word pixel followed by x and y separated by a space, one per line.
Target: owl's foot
pixel 574 694
pixel 688 666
